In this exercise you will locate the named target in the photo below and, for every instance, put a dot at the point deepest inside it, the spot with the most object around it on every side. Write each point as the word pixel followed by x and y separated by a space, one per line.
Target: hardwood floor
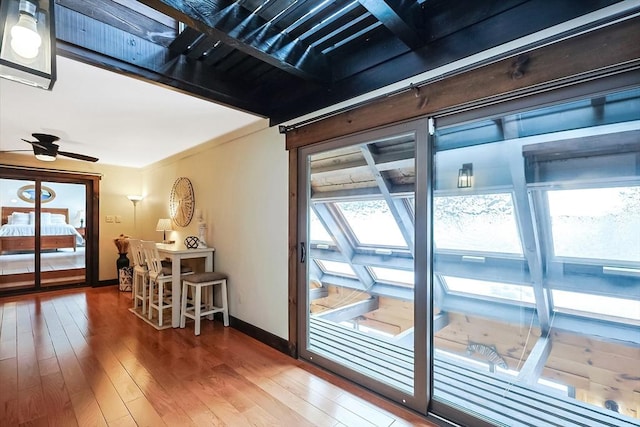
pixel 79 357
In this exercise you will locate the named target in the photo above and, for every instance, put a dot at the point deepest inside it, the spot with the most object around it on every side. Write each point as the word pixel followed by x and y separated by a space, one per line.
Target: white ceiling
pixel 121 120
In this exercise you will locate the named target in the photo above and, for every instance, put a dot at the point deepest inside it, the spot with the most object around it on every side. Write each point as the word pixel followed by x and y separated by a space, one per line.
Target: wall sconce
pixel 164 225
pixel 27 43
pixel 134 199
pixel 464 175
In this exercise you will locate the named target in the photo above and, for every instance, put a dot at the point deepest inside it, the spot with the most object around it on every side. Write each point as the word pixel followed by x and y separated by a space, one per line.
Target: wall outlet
pixel 108 218
pixel 118 218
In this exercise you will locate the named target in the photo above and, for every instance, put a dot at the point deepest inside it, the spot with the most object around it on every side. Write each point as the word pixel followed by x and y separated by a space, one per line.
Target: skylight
pixel 393 275
pixel 372 223
pixel 596 304
pixel 317 231
pixel 596 223
pixel 337 268
pixel 506 291
pixel 477 222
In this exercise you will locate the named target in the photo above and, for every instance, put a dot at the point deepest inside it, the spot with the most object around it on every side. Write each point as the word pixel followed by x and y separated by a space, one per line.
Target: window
pixel 501 291
pixel 596 223
pixel 476 223
pixel 372 223
pixel 337 268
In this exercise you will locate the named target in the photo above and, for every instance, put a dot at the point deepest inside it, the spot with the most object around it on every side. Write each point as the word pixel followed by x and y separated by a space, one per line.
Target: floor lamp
pixel 134 199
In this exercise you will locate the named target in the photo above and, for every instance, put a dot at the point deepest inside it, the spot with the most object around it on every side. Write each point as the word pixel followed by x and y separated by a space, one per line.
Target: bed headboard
pixel 6 211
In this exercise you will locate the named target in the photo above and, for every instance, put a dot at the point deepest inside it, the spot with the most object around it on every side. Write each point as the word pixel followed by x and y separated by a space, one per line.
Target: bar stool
pixel 140 275
pixel 207 281
pixel 159 277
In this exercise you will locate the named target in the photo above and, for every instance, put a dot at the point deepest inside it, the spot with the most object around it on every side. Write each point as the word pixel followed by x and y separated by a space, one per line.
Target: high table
pixel 176 253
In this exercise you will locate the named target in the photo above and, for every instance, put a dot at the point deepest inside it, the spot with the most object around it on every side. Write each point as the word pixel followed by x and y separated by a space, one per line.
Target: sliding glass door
pixel 488 274
pixel 17 241
pixel 359 260
pixel 536 271
pixel 63 257
pixel 42 237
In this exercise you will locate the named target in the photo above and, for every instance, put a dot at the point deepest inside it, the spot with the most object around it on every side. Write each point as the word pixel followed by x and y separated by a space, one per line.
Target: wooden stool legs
pixel 203 307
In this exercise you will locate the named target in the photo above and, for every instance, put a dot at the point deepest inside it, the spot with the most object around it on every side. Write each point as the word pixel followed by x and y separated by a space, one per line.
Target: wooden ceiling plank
pixel 353 75
pixel 185 39
pixel 398 25
pixel 331 25
pixel 114 51
pixel 615 45
pixel 237 27
pixel 124 18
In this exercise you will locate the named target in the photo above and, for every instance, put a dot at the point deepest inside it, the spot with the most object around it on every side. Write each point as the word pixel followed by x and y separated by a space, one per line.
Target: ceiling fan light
pixel 45 157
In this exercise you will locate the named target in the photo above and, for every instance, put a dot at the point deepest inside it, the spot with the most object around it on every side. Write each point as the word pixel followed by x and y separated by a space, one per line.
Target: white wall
pixel 241 186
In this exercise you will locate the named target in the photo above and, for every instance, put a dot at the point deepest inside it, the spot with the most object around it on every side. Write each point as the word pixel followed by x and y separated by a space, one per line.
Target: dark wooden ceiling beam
pixel 399 25
pixel 87 40
pixel 561 62
pixel 125 19
pixel 249 33
pixel 357 73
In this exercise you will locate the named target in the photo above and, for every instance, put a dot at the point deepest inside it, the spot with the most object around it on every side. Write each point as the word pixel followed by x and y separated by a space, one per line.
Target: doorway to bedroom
pixel 45 231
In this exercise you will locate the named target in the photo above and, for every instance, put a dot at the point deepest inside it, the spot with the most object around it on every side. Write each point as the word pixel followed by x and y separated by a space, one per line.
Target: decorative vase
pixel 122 262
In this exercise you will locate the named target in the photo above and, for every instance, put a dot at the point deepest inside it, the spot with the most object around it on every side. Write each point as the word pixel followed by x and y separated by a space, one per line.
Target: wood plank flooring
pixel 79 357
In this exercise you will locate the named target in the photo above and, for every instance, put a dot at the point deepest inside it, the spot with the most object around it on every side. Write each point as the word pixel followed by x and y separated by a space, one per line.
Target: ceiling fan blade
pixel 47 148
pixel 78 156
pixel 45 138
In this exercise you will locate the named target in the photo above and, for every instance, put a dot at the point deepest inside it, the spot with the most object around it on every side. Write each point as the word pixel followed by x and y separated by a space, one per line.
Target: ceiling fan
pixel 45 149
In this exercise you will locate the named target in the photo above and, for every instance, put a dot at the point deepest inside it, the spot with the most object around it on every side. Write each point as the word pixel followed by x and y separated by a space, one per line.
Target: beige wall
pixel 241 186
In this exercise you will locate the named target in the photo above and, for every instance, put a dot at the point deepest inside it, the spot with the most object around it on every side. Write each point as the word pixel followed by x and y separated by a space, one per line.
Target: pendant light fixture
pixel 27 44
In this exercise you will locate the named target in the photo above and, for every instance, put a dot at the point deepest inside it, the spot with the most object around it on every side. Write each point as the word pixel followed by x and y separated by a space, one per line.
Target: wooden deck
pixel 81 358
pixel 495 397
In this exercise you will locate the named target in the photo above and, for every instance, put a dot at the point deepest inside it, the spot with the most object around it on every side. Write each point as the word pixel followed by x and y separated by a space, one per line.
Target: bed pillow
pixel 19 218
pixel 45 218
pixel 58 219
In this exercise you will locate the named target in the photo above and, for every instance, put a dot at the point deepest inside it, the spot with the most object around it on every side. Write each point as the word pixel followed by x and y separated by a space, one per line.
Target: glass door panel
pixel 62 255
pixel 536 269
pixel 358 239
pixel 17 237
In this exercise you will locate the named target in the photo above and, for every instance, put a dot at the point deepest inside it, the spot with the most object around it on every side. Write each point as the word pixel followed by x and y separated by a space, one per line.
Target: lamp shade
pixel 164 224
pixel 27 42
pixel 134 199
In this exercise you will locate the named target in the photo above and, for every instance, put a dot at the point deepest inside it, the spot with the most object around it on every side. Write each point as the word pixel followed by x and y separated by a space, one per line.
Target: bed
pixel 17 231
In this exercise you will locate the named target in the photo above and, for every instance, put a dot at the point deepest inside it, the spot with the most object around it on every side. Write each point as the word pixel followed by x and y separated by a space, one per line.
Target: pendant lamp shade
pixel 27 43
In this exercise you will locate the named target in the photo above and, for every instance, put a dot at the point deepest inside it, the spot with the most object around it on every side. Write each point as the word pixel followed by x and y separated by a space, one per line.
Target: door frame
pixel 422 161
pixel 91 183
